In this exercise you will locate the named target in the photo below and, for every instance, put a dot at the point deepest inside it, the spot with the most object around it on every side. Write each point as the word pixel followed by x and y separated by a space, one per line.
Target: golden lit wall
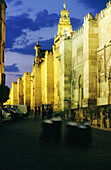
pixel 26 88
pixel 50 78
pixel 65 73
pixel 14 94
pixel 56 54
pixel 44 80
pixel 20 91
pixel 77 68
pixel 104 56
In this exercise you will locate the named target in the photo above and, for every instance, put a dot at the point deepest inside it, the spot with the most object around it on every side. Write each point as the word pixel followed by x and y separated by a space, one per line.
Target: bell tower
pixel 64 22
pixel 3 7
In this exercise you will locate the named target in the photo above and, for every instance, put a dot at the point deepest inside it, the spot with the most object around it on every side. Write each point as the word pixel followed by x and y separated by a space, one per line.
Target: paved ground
pixel 22 149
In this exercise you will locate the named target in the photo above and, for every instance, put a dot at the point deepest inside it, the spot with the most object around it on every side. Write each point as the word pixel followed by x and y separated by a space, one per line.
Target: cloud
pixel 25 43
pixel 19 75
pixel 29 10
pixel 12 68
pixel 16 24
pixel 14 27
pixel 23 62
pixel 18 3
pixel 9 1
pixel 29 50
pixel 43 19
pixel 97 5
pixel 47 44
pixel 22 31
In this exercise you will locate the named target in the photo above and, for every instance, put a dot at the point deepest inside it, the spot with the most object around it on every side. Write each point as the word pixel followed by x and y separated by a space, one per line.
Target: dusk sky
pixel 29 21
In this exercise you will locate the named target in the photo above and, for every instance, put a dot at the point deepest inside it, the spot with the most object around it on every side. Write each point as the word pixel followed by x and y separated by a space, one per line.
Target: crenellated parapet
pixel 88 17
pixel 48 52
pixel 19 79
pixel 14 82
pixel 108 4
pixel 104 12
pixel 100 15
pixel 78 32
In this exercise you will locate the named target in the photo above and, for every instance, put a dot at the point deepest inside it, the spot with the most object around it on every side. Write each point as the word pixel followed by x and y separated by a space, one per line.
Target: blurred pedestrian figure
pixel 28 109
pixel 50 112
pixel 39 110
pixel 35 112
pixel 43 111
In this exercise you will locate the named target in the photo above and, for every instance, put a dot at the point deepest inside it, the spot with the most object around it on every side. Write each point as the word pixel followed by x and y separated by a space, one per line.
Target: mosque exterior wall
pixel 65 73
pixel 104 57
pixel 77 74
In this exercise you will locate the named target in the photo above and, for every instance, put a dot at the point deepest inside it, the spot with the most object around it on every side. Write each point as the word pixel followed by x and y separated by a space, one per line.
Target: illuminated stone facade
pixel 91 61
pixel 2 40
pixel 42 78
pixel 14 93
pixel 84 64
pixel 64 27
pixel 104 57
pixel 77 72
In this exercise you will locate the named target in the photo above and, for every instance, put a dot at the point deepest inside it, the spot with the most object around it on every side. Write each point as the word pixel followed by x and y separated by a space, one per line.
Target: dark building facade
pixel 3 7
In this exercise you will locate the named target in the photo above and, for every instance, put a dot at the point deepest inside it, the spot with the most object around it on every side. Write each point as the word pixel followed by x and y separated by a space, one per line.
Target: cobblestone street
pixel 22 148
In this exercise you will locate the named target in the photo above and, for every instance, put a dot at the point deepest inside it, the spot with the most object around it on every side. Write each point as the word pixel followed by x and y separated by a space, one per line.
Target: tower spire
pixel 64 5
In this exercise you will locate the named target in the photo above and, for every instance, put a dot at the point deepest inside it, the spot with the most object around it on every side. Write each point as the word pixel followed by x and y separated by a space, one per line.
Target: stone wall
pixel 77 68
pixel 65 73
pixel 104 57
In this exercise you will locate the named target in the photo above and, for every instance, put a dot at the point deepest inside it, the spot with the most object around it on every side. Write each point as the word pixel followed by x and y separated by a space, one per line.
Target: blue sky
pixel 30 21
